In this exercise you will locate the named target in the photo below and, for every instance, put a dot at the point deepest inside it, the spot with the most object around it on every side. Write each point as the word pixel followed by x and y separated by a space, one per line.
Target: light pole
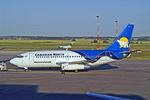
pixel 97 32
pixel 116 28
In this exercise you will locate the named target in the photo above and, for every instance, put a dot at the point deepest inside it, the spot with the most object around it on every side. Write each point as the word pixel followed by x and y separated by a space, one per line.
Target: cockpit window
pixel 19 56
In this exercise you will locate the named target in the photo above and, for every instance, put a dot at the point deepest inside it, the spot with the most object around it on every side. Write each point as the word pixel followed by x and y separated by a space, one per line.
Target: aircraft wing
pixel 77 62
pixel 105 97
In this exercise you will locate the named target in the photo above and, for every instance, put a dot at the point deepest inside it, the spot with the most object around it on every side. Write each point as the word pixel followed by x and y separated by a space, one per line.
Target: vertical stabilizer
pixel 123 40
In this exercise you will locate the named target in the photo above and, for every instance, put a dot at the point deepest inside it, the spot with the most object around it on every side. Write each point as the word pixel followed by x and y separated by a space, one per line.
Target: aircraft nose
pixel 13 61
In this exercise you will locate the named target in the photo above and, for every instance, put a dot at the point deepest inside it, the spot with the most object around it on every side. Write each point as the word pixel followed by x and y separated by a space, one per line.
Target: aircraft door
pixel 31 56
pixel 68 57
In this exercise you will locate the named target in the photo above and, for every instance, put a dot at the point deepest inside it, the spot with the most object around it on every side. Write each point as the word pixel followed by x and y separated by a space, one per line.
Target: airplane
pixel 77 59
pixel 66 47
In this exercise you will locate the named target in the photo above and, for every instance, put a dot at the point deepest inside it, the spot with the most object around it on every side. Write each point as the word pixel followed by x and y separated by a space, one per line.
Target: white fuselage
pixel 54 58
pixel 65 47
pixel 46 58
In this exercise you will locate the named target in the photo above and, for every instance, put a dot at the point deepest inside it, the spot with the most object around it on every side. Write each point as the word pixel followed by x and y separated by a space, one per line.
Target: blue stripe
pixel 82 54
pixel 95 55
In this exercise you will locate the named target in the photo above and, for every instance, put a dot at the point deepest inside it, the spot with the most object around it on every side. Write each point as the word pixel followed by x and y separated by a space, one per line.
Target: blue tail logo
pixel 123 40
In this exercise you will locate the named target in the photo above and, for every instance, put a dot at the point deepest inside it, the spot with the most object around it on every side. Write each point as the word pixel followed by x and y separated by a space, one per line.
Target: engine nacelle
pixel 76 66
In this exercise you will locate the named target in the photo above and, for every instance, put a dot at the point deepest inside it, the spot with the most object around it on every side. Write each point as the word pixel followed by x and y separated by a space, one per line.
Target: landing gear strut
pixel 76 70
pixel 26 69
pixel 62 70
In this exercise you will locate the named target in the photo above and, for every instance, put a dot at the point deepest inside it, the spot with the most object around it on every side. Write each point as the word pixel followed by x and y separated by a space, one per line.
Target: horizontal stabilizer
pixel 129 52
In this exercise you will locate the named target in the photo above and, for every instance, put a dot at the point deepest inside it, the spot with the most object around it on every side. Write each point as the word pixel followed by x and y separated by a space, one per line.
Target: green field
pixel 31 45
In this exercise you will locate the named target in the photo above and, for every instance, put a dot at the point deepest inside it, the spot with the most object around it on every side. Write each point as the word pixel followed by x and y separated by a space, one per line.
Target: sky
pixel 72 17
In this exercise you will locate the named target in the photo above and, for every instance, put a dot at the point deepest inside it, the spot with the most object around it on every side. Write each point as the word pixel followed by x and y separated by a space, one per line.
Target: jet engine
pixel 75 66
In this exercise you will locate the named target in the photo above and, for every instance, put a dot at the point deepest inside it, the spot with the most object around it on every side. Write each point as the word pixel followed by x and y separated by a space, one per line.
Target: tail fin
pixel 123 40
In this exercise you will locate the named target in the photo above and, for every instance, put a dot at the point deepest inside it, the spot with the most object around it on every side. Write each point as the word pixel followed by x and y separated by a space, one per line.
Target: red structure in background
pixel 97 32
pixel 116 28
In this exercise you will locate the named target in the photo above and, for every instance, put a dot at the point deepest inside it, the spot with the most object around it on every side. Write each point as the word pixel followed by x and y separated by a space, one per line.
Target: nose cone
pixel 13 61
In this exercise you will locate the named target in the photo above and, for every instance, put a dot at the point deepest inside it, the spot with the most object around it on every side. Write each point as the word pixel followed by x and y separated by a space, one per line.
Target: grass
pixel 31 45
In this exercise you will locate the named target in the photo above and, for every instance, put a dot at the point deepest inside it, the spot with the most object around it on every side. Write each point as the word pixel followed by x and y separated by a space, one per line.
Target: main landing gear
pixel 62 70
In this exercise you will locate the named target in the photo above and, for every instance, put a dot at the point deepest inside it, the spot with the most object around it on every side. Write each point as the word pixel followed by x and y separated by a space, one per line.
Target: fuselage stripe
pixel 104 53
